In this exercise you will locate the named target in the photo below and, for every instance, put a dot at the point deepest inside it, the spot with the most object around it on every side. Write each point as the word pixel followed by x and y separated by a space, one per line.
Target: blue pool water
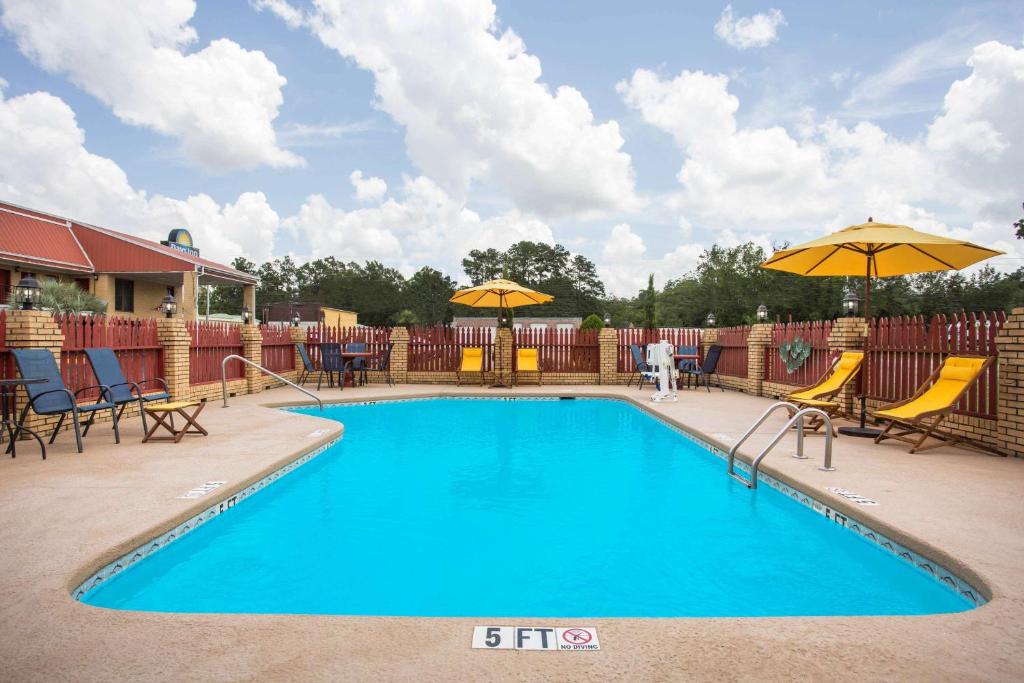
pixel 585 508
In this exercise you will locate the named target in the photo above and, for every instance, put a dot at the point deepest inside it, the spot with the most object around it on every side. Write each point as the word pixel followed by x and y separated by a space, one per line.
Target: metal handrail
pixel 796 417
pixel 224 379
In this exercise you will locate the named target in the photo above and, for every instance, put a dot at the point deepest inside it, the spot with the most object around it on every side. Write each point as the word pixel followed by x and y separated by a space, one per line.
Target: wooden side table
pixel 163 416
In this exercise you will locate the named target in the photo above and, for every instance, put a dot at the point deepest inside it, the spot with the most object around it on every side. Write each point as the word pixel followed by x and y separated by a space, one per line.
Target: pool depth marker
pixel 548 638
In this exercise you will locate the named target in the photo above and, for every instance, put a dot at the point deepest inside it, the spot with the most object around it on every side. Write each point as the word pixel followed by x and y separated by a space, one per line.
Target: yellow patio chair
pixel 472 361
pixel 527 361
pixel 932 403
pixel 820 395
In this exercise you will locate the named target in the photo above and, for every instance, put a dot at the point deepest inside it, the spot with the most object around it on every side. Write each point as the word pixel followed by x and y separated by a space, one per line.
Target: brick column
pixel 298 337
pixel 608 348
pixel 400 355
pixel 760 337
pixel 708 338
pixel 1010 346
pixel 503 344
pixel 34 330
pixel 175 340
pixel 252 349
pixel 848 334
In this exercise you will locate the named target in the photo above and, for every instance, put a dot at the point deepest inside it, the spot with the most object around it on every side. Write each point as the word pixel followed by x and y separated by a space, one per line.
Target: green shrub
pixel 65 297
pixel 592 322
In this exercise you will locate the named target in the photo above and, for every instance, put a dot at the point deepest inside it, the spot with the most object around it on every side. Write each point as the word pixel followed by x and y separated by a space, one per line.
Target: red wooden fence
pixel 278 348
pixel 439 349
pixel 904 351
pixel 733 361
pixel 135 342
pixel 211 343
pixel 562 350
pixel 677 336
pixel 814 332
pixel 375 338
pixel 6 359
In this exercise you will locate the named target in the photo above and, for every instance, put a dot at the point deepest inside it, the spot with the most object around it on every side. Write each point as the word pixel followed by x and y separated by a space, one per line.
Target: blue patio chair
pixel 640 366
pixel 53 398
pixel 687 364
pixel 330 362
pixel 709 368
pixel 382 364
pixel 357 365
pixel 108 373
pixel 308 367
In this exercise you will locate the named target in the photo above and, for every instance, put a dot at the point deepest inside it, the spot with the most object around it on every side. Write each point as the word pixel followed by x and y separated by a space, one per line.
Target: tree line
pixel 727 281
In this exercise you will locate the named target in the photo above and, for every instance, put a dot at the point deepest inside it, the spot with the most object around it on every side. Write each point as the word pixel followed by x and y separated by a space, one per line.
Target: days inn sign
pixel 180 239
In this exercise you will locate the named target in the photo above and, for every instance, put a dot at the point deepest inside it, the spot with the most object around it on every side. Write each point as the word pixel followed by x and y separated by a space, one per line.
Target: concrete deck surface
pixel 63 518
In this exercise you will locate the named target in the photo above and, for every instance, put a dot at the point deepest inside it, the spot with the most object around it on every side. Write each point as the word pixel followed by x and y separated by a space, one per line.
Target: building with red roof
pixel 131 274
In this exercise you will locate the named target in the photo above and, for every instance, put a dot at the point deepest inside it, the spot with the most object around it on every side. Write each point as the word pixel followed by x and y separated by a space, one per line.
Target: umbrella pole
pixel 864 431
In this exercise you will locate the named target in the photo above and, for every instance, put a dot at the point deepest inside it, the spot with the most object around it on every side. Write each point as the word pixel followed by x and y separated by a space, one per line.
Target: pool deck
pixel 63 518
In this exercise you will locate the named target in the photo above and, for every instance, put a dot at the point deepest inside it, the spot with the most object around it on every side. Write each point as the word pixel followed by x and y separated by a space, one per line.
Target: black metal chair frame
pixel 334 349
pixel 135 391
pixel 382 365
pixel 308 366
pixel 709 368
pixel 639 367
pixel 75 411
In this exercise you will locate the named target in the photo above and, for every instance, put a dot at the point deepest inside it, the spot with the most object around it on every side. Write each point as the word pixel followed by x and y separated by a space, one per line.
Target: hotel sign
pixel 180 239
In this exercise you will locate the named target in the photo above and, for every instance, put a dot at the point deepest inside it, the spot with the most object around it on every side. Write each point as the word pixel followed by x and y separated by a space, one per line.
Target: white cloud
pixel 367 189
pixel 313 135
pixel 758 30
pixel 964 169
pixel 218 102
pixel 473 106
pixel 628 262
pixel 44 164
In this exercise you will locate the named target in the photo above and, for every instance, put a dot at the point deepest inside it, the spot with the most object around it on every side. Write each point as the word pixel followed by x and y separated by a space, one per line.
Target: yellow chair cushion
pixel 472 359
pixel 812 403
pixel 956 375
pixel 526 360
pixel 845 370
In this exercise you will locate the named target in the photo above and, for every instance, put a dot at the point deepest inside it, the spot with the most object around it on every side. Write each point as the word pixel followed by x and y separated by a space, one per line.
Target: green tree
pixel 592 322
pixel 427 293
pixel 648 300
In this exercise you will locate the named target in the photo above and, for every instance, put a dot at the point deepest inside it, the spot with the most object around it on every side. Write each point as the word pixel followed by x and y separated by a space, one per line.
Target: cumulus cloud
pixel 218 102
pixel 44 164
pixel 473 106
pixel 627 262
pixel 830 175
pixel 367 189
pixel 758 30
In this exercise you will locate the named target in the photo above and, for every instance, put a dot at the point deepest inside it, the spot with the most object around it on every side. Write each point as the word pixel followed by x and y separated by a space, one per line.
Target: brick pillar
pixel 708 338
pixel 175 340
pixel 298 337
pixel 400 355
pixel 760 337
pixel 848 334
pixel 252 349
pixel 608 345
pixel 1010 346
pixel 503 344
pixel 34 330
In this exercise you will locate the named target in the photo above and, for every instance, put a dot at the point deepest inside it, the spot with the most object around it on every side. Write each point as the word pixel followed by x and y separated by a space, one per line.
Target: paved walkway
pixel 62 517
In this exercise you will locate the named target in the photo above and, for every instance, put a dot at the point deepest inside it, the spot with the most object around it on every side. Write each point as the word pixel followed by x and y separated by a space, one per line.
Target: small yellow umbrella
pixel 499 294
pixel 876 250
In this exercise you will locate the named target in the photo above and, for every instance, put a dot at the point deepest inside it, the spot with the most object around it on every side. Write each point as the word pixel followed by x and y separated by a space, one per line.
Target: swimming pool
pixel 532 508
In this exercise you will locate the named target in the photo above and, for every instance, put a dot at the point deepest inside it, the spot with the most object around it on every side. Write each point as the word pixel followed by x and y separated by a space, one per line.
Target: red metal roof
pixel 29 238
pixel 39 238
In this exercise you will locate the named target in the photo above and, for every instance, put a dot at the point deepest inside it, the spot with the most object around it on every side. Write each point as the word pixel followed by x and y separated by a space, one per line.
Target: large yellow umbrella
pixel 499 294
pixel 876 250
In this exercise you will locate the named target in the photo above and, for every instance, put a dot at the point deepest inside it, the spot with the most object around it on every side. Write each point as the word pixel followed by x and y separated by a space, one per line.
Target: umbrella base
pixel 861 432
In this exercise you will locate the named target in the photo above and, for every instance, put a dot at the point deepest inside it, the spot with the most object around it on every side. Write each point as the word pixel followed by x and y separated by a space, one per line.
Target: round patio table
pixel 676 357
pixel 8 397
pixel 346 362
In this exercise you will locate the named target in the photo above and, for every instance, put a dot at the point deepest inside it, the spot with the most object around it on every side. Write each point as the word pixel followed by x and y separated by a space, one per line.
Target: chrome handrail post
pixel 224 379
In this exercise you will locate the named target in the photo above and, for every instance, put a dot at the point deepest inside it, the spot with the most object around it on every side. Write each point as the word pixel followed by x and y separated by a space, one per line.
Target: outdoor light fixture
pixel 27 292
pixel 710 319
pixel 296 319
pixel 246 315
pixel 762 313
pixel 607 319
pixel 169 306
pixel 850 303
pixel 503 320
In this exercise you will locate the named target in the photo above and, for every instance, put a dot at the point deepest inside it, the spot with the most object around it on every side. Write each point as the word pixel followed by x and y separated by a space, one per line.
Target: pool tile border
pixel 928 567
pixel 161 541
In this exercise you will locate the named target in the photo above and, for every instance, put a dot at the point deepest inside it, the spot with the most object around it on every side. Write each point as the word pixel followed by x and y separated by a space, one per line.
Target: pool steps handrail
pixel 797 418
pixel 224 379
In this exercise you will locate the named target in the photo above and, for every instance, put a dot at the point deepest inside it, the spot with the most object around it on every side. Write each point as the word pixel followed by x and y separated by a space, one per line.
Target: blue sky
pixel 696 135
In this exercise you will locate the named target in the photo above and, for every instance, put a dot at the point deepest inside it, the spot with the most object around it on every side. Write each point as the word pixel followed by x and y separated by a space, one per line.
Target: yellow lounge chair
pixel 933 402
pixel 820 394
pixel 472 361
pixel 527 361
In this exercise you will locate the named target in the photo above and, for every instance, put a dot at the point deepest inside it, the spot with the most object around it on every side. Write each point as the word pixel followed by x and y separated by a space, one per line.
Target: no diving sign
pixel 577 639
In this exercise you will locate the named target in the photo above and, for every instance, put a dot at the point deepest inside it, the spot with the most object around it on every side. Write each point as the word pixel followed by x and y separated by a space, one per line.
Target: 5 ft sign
pixel 574 639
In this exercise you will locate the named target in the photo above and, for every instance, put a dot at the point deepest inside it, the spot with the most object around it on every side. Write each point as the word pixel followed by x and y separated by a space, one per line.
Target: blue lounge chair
pixel 53 398
pixel 108 373
pixel 687 364
pixel 640 366
pixel 709 368
pixel 308 367
pixel 357 365
pixel 330 362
